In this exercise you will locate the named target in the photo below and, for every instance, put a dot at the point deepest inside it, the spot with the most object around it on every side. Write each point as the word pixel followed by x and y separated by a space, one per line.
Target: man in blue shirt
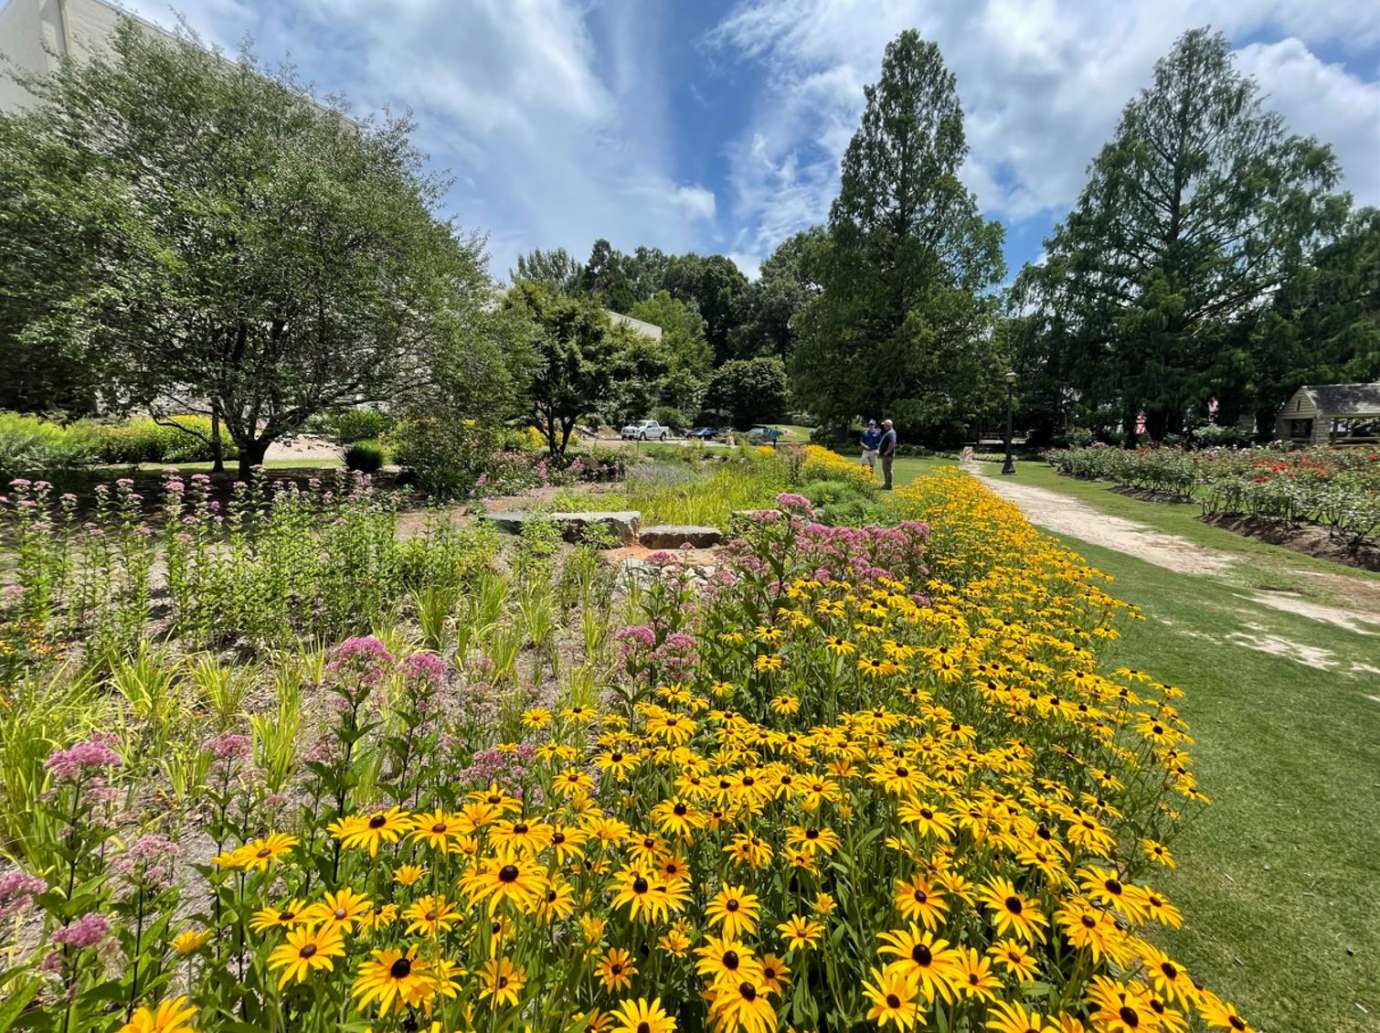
pixel 872 437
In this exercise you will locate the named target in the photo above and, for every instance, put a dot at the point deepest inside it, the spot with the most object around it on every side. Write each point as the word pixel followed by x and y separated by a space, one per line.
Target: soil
pixel 1064 515
pixel 1308 539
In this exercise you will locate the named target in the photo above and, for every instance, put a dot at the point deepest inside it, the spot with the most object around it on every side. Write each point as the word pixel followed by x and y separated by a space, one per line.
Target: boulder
pixel 622 523
pixel 673 536
pixel 510 520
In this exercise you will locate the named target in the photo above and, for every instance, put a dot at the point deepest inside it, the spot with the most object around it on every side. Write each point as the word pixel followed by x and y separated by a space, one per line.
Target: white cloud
pixel 1327 101
pixel 1042 85
pixel 554 139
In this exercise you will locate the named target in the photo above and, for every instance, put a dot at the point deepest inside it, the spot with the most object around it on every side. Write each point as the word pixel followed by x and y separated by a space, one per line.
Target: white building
pixel 37 34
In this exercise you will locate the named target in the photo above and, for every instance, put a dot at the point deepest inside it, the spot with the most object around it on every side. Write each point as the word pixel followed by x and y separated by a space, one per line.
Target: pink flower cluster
pixel 86 931
pixel 147 862
pixel 77 761
pixel 17 891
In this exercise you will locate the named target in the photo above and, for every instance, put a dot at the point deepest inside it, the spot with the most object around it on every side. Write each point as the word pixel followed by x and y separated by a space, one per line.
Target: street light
pixel 1009 467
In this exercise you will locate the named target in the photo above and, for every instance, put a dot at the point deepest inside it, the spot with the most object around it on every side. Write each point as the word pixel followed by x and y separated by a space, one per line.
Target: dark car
pixel 704 433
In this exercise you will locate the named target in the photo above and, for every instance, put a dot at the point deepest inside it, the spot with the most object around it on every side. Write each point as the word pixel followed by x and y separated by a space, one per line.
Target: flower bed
pixel 864 778
pixel 1338 489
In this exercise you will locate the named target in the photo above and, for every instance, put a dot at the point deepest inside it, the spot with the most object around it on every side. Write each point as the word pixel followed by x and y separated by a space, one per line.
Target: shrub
pixel 824 464
pixel 141 440
pixel 364 456
pixel 446 458
pixel 1214 435
pixel 351 425
pixel 31 445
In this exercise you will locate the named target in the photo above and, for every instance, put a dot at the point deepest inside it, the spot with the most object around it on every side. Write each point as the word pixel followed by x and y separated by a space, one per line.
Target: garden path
pixel 1064 515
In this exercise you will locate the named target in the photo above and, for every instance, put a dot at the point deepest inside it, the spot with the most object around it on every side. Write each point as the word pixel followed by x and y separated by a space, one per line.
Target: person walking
pixel 886 451
pixel 871 438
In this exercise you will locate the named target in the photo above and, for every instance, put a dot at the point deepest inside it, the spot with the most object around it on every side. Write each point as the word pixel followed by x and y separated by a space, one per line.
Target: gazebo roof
pixel 1345 399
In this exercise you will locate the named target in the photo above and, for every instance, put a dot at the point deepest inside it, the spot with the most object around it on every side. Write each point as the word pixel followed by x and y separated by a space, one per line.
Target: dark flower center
pixel 520 829
pixel 340 913
pixel 1112 886
pixel 748 991
pixel 920 954
pixel 892 1001
pixel 1129 1016
pixel 615 757
pixel 643 1027
pixel 640 885
pixel 616 969
pixel 286 916
pixel 439 827
pixel 559 837
pixel 732 905
pixel 680 810
pixel 502 982
pixel 812 833
pixel 378 821
pixel 307 951
pixel 903 772
pixel 508 873
pixel 1170 970
pixel 1013 904
pixel 1088 922
pixel 730 960
pixel 400 969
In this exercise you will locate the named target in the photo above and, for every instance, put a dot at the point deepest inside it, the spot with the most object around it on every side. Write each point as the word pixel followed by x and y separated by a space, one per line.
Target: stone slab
pixel 673 536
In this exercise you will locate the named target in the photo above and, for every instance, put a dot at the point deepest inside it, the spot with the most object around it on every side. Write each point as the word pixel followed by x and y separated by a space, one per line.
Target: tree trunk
pixel 251 455
pixel 217 452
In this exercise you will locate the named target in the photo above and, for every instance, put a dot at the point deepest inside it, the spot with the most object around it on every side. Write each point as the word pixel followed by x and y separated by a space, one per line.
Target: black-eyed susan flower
pixel 1014 958
pixel 928 963
pixel 430 915
pixel 408 874
pixel 776 974
pixel 744 1005
pixel 307 948
pixel 919 901
pixel 616 969
pixel 340 910
pixel 642 1016
pixel 1012 913
pixel 189 941
pixel 501 982
pixel 284 917
pixel 974 977
pixel 369 831
pixel 800 932
pixel 510 878
pixel 734 910
pixel 393 980
pixel 174 1015
pixel 893 1000
pixel 727 961
pixel 1010 1017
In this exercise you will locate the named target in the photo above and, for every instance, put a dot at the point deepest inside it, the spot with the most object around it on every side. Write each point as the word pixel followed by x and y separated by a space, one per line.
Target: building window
pixel 1356 429
pixel 1301 430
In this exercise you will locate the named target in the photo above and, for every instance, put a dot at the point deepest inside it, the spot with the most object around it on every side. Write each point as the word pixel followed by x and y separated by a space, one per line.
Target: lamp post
pixel 1009 467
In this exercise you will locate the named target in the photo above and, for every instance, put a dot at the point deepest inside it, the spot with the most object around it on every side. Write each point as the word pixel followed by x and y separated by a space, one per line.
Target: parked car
pixel 646 430
pixel 761 434
pixel 704 433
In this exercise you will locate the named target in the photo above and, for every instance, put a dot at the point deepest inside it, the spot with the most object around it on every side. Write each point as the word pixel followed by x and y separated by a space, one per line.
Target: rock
pixel 673 536
pixel 622 524
pixel 510 521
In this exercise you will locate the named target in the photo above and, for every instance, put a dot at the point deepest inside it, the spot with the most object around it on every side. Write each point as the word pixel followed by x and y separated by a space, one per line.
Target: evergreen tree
pixel 1194 214
pixel 557 269
pixel 902 325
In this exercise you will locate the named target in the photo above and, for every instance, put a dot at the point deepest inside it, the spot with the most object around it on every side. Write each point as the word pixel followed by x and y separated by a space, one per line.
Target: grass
pixel 1278 876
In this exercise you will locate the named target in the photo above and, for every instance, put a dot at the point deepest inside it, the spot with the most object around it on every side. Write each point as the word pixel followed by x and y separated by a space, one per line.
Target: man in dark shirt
pixel 886 451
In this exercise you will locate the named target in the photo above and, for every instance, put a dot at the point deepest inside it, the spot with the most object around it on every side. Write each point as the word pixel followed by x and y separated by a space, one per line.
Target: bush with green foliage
pixel 145 441
pixel 351 425
pixel 31 445
pixel 364 456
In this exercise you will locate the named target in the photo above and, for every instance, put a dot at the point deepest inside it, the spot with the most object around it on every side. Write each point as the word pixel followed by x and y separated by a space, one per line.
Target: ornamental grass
pixel 860 779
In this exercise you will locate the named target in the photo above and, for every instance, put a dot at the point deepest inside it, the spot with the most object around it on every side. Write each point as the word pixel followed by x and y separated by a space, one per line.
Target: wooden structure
pixel 1331 414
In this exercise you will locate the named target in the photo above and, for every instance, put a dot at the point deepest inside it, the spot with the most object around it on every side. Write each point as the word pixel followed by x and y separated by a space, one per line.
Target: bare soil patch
pixel 1308 539
pixel 1362 622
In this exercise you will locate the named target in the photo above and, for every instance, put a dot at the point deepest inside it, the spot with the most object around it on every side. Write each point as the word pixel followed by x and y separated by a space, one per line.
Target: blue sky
pixel 717 126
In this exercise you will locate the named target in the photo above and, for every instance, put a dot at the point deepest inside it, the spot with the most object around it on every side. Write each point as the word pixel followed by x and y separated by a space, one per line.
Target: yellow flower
pixel 189 941
pixel 307 948
pixel 171 1016
pixel 639 1016
pixel 501 982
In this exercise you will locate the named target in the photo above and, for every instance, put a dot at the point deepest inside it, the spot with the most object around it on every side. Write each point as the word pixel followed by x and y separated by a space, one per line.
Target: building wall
pixel 36 34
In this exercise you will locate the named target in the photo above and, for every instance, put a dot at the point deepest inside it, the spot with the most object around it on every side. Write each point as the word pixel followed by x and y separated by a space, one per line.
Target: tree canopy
pixel 1195 213
pixel 902 323
pixel 208 237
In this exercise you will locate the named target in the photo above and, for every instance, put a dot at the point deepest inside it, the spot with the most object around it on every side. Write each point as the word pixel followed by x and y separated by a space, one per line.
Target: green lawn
pixel 1278 878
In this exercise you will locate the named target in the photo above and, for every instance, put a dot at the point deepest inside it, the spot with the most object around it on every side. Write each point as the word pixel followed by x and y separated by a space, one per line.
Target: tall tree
pixel 576 356
pixel 605 277
pixel 244 251
pixel 1194 214
pixel 714 285
pixel 555 268
pixel 902 324
pixel 767 309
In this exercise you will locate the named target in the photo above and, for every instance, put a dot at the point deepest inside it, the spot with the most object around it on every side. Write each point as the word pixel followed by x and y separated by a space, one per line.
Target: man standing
pixel 886 449
pixel 871 438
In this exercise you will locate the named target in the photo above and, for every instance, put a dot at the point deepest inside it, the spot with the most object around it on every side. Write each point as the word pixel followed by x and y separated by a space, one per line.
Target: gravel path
pixel 1064 515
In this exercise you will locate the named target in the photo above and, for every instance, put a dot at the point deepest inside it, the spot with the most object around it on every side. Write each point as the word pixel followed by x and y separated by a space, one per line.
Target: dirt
pixel 1308 539
pixel 1362 623
pixel 1064 515
pixel 303 447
